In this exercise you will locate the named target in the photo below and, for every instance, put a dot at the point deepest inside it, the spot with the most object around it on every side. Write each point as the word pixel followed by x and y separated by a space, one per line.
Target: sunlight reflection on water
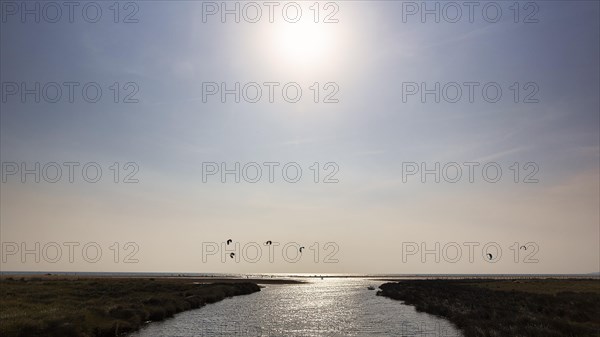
pixel 330 307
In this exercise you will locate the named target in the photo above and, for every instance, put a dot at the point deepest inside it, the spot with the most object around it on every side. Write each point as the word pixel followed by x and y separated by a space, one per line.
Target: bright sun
pixel 303 44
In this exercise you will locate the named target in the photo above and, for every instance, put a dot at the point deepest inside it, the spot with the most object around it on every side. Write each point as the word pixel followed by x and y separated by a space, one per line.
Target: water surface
pixel 329 307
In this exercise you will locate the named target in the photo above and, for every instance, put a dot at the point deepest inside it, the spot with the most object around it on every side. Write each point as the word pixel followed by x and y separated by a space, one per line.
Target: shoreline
pixel 15 273
pixel 198 280
pixel 47 306
pixel 539 307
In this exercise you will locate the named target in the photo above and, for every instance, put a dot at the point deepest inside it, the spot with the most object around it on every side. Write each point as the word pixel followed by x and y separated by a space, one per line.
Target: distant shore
pixel 103 306
pixel 197 279
pixel 535 307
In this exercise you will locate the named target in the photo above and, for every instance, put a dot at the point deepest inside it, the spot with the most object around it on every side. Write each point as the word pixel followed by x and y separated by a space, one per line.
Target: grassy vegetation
pixel 71 307
pixel 544 308
pixel 547 286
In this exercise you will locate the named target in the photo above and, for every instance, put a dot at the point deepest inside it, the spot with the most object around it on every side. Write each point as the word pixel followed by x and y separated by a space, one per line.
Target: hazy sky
pixel 373 55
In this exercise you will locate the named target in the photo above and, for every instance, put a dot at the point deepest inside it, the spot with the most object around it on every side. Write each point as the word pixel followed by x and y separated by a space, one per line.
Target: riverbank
pixel 545 307
pixel 76 307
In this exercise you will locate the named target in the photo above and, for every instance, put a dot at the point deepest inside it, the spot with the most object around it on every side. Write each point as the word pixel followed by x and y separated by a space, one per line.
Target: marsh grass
pixel 100 306
pixel 544 308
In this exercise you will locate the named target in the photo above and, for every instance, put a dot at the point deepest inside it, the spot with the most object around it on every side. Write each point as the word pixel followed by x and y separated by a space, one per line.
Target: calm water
pixel 330 307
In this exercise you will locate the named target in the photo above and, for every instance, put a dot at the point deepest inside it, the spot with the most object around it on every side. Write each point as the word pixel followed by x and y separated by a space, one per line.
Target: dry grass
pixel 483 308
pixel 543 286
pixel 100 306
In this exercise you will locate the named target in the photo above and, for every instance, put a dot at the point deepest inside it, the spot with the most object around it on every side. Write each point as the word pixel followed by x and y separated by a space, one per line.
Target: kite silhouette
pixel 229 241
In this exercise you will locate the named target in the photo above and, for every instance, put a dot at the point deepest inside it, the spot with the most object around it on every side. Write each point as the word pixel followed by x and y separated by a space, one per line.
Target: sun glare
pixel 303 44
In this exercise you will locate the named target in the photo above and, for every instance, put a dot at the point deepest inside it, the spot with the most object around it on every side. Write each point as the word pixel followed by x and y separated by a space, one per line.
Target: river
pixel 329 307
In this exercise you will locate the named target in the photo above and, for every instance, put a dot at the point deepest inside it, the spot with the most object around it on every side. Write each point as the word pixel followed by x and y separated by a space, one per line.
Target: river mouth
pixel 329 307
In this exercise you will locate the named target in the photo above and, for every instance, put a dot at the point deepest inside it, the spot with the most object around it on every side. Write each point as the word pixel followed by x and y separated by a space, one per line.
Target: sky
pixel 370 132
